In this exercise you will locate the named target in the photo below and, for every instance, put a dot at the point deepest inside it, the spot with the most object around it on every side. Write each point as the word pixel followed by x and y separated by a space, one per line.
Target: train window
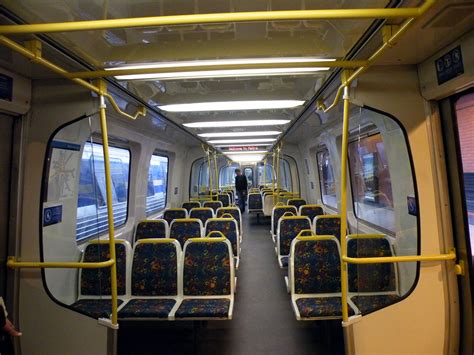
pixel 265 177
pixel 248 172
pixel 371 182
pixel 285 175
pixel 91 200
pixel 227 176
pixel 327 183
pixel 157 184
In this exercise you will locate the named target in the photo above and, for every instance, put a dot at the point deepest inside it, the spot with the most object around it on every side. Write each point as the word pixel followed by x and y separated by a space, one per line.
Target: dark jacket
pixel 241 183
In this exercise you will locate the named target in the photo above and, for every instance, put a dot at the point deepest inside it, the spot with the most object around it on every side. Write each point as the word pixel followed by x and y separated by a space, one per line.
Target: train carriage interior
pixel 125 125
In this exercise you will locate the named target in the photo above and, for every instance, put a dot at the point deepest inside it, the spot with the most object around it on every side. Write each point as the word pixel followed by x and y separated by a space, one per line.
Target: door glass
pixel 249 175
pixel 464 107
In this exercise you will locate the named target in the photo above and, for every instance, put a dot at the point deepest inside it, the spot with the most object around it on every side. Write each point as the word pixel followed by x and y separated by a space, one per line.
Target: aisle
pixel 263 320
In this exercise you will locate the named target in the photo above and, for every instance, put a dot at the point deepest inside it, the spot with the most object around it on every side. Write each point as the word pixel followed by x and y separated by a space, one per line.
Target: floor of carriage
pixel 263 321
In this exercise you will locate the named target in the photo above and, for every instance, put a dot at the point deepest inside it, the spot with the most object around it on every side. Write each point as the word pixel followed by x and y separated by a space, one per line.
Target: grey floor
pixel 263 321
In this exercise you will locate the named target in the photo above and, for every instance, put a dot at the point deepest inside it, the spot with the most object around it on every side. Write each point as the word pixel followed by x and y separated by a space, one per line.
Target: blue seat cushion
pixel 315 307
pixel 203 308
pixel 147 308
pixel 98 308
pixel 372 303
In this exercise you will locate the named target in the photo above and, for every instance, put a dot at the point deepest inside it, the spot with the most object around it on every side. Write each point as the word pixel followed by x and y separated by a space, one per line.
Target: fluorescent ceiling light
pixel 229 73
pixel 246 158
pixel 218 62
pixel 243 123
pixel 232 105
pixel 232 152
pixel 256 140
pixel 239 134
pixel 242 145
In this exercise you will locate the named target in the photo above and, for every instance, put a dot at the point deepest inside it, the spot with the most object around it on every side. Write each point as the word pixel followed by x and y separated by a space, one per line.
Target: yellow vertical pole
pixel 216 172
pixel 265 172
pixel 209 171
pixel 110 209
pixel 343 212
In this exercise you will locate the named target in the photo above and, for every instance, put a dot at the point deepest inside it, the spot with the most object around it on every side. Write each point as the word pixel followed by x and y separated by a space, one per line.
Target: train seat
pixel 224 198
pixel 328 225
pixel 235 213
pixel 203 213
pixel 297 202
pixel 153 279
pixel 157 228
pixel 174 213
pixel 254 202
pixel 182 229
pixel 190 205
pixel 315 278
pixel 311 211
pixel 371 286
pixel 277 213
pixel 228 227
pixel 268 204
pixel 207 280
pixel 213 204
pixel 95 284
pixel 288 229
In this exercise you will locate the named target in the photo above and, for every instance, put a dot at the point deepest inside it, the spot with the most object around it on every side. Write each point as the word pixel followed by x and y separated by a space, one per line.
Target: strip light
pixel 246 158
pixel 243 123
pixel 232 105
pixel 232 152
pixel 256 140
pixel 239 134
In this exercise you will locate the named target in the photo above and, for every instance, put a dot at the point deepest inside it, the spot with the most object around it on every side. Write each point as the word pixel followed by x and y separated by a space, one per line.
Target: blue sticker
pixel 412 206
pixel 449 66
pixel 52 215
pixel 65 145
pixel 6 87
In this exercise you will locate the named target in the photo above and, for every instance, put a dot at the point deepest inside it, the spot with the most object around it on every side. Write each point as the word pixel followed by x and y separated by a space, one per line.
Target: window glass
pixel 371 182
pixel 327 183
pixel 157 184
pixel 91 201
pixel 285 175
pixel 265 177
pixel 249 175
pixel 227 176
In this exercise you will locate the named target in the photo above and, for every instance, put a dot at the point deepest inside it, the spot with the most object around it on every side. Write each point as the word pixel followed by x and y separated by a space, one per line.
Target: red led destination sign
pixel 243 149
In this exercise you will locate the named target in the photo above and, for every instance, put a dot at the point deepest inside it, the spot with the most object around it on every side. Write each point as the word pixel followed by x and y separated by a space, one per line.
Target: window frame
pixel 163 155
pixel 322 149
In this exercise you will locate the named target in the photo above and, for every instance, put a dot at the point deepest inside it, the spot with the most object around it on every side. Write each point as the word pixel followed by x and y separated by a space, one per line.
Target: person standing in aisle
pixel 241 188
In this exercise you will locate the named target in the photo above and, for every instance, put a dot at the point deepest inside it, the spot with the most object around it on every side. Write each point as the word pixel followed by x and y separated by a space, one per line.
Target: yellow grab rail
pixel 13 263
pixel 401 259
pixel 196 19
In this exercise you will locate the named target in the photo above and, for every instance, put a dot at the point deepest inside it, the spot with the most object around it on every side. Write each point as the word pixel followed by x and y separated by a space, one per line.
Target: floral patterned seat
pixel 228 227
pixel 190 205
pixel 151 229
pixel 311 211
pixel 288 228
pixel 174 213
pixel 328 225
pixel 154 279
pixel 95 284
pixel 297 202
pixel 207 279
pixel 212 204
pixel 277 213
pixel 373 286
pixel 315 278
pixel 203 213
pixel 234 212
pixel 254 202
pixel 224 198
pixel 183 229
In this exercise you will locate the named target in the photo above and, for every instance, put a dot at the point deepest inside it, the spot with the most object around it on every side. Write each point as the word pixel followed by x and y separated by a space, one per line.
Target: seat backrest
pixel 182 229
pixel 288 228
pixel 328 225
pixel 311 211
pixel 297 202
pixel 254 201
pixel 381 278
pixel 157 228
pixel 278 212
pixel 174 213
pixel 228 227
pixel 234 212
pixel 154 270
pixel 97 282
pixel 208 267
pixel 224 199
pixel 268 204
pixel 203 213
pixel 315 265
pixel 212 204
pixel 190 205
